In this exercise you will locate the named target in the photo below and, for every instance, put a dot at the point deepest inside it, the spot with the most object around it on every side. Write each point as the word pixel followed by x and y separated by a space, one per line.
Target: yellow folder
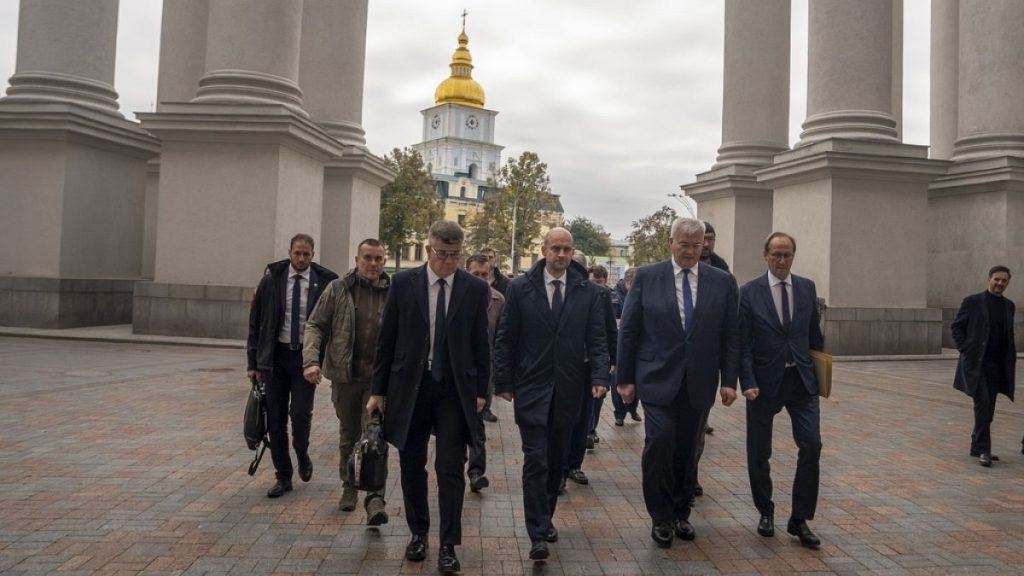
pixel 823 371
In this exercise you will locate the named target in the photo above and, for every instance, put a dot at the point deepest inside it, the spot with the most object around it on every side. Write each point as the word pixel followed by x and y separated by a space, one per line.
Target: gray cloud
pixel 621 99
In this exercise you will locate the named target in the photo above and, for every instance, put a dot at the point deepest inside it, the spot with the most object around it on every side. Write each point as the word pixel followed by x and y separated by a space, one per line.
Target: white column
pixel 755 111
pixel 331 66
pixel 944 77
pixel 66 51
pixel 252 53
pixel 850 71
pixel 182 50
pixel 991 104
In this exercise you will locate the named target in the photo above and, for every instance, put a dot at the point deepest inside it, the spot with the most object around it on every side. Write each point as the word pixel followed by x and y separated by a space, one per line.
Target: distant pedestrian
pixel 983 332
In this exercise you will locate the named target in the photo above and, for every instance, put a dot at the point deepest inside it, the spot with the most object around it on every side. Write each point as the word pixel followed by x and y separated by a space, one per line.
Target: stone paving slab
pixel 127 458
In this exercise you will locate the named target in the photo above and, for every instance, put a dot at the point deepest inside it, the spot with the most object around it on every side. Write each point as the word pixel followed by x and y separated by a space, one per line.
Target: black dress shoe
pixel 619 422
pixel 976 454
pixel 709 430
pixel 279 488
pixel 800 529
pixel 578 476
pixel 552 535
pixel 661 533
pixel 305 467
pixel 447 561
pixel 478 481
pixel 488 416
pixel 698 490
pixel 766 527
pixel 683 529
pixel 636 417
pixel 539 550
pixel 416 550
pixel 985 459
pixel 590 442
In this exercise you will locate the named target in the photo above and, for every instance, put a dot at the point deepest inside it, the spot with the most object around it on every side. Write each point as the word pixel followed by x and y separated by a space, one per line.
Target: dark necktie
pixel 556 299
pixel 785 307
pixel 687 300
pixel 296 335
pixel 437 363
pixel 786 320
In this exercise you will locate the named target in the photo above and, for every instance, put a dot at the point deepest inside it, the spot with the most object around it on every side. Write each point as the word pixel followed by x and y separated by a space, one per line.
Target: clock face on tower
pixel 472 122
pixel 435 121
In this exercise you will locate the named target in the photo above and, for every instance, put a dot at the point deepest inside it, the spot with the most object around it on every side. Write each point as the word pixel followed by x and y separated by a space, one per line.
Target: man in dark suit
pixel 431 372
pixel 551 343
pixel 679 334
pixel 983 332
pixel 778 329
pixel 284 298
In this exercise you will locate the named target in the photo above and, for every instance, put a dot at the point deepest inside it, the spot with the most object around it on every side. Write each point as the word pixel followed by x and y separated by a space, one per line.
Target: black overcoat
pixel 542 358
pixel 404 342
pixel 970 332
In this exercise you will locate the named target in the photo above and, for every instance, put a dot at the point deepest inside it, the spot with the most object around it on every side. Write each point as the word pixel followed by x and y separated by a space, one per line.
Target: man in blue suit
pixel 550 347
pixel 430 374
pixel 679 334
pixel 778 329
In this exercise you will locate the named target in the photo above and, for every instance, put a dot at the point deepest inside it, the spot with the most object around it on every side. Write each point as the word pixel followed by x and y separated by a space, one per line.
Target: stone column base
pixel 740 209
pixel 883 331
pixel 64 302
pixel 190 310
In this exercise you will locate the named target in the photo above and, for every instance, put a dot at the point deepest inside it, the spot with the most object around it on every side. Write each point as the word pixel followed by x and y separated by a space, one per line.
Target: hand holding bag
pixel 368 464
pixel 254 423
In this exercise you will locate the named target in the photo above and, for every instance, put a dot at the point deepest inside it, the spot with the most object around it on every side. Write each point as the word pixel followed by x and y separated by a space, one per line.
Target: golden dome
pixel 460 88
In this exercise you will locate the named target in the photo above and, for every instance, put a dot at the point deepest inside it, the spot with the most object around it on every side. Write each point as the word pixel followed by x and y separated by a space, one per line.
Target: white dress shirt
pixel 679 289
pixel 550 286
pixel 285 334
pixel 433 289
pixel 776 287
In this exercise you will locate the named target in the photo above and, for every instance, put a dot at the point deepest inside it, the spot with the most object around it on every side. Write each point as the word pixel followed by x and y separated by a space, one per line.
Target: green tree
pixel 589 237
pixel 650 237
pixel 522 189
pixel 409 204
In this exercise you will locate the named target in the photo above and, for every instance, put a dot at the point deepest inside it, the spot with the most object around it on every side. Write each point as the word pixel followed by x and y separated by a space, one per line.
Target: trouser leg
pixel 452 436
pixel 760 418
pixel 536 508
pixel 804 411
pixel 984 410
pixel 412 459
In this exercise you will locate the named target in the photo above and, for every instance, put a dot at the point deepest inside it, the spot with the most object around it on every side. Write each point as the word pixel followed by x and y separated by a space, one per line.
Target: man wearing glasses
pixel 431 373
pixel 778 329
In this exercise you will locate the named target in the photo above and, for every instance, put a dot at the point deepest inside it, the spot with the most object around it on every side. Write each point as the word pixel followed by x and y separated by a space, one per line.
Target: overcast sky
pixel 623 100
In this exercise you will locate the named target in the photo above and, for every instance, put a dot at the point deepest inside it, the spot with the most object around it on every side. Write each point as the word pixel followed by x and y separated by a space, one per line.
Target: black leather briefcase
pixel 368 464
pixel 254 423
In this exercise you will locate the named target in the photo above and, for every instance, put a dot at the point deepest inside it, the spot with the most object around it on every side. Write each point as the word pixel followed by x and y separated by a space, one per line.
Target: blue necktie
pixel 296 336
pixel 437 363
pixel 556 299
pixel 687 300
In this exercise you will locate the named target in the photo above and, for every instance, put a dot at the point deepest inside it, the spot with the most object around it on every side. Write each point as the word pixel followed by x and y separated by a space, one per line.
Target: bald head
pixel 557 250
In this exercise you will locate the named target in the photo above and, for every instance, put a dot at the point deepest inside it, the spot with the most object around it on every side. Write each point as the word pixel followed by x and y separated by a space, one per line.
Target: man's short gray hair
pixel 447 231
pixel 688 226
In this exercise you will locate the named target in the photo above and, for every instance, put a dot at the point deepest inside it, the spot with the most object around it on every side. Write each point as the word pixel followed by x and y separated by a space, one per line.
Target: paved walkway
pixel 127 458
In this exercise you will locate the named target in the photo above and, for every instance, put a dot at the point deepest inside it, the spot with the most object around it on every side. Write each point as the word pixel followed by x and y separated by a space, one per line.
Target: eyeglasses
pixel 690 245
pixel 780 256
pixel 447 254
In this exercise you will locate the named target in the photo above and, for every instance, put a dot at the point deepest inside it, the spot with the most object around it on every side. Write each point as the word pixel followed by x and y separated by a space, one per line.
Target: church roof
pixel 460 88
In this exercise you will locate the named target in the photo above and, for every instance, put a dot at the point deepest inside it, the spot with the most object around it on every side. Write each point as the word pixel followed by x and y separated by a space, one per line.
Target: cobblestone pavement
pixel 128 458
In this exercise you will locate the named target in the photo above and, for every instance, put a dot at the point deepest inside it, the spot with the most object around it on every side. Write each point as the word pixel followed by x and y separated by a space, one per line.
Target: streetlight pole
pixel 683 200
pixel 515 209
